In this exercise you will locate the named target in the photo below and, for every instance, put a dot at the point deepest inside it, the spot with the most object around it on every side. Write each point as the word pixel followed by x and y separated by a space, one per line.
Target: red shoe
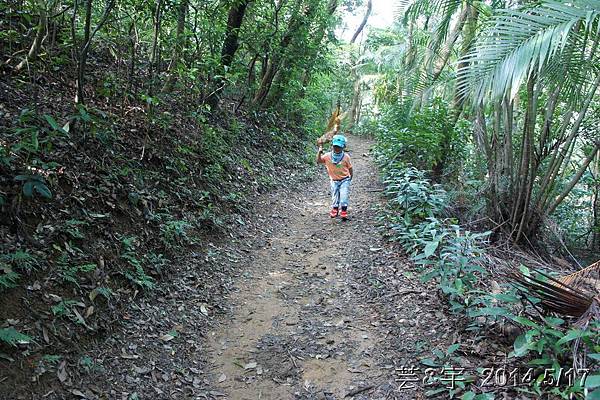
pixel 333 213
pixel 344 214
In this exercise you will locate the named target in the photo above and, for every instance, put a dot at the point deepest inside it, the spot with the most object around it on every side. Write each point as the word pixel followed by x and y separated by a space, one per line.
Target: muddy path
pixel 308 319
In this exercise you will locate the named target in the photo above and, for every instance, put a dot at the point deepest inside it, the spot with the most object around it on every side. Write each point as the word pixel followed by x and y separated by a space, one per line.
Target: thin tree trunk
pixel 519 207
pixel 559 199
pixel 469 30
pixel 560 152
pixel 179 45
pixel 449 44
pixel 83 53
pixel 296 22
pixel 595 245
pixel 133 46
pixel 155 36
pixel 39 36
pixel 88 35
pixel 282 80
pixel 363 22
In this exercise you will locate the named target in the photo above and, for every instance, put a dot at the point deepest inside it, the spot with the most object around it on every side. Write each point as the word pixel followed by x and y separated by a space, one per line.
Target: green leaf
pixel 430 248
pixel 452 348
pixel 526 322
pixel 571 335
pixel 521 346
pixel 43 190
pixel 12 336
pixel 431 393
pixel 53 124
pixel 28 189
pixel 540 361
pixel 429 362
pixel 468 396
pixel 491 311
pixel 592 381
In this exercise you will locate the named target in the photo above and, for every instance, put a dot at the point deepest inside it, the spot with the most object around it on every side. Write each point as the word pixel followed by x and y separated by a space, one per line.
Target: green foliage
pixel 72 228
pixel 454 257
pixel 70 273
pixel 9 279
pixel 422 138
pixel 12 337
pixel 174 233
pixel 64 308
pixel 34 182
pixel 135 273
pixel 12 265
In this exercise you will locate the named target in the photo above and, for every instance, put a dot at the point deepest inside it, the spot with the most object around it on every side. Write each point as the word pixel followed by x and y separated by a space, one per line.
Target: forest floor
pixel 306 322
pixel 314 308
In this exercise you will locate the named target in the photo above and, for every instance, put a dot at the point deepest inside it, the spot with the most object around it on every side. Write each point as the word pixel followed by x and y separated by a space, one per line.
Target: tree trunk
pixel 363 22
pixel 278 57
pixel 355 99
pixel 282 80
pixel 133 46
pixel 595 245
pixel 230 46
pixel 88 35
pixel 83 53
pixel 179 45
pixel 449 44
pixel 39 36
pixel 155 36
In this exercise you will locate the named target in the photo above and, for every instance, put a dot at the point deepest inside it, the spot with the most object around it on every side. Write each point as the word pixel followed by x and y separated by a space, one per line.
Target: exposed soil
pixel 297 306
pixel 312 317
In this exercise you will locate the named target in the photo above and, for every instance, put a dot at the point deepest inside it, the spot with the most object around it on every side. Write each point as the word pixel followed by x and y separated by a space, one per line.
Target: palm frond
pixel 555 296
pixel 334 119
pixel 518 43
pixel 589 276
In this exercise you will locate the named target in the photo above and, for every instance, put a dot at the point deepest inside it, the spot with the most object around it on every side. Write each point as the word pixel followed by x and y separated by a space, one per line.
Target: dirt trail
pixel 300 327
pixel 318 309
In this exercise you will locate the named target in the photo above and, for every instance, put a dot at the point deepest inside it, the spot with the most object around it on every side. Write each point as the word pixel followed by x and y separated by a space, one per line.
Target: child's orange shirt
pixel 338 171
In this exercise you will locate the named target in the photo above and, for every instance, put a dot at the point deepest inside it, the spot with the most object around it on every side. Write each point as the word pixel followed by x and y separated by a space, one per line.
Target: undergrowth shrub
pixel 422 138
pixel 416 218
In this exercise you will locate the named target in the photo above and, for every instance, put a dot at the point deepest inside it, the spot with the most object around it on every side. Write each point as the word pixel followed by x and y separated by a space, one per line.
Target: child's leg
pixel 335 194
pixel 344 193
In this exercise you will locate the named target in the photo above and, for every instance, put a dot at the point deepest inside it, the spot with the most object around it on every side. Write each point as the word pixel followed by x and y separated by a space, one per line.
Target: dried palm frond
pixel 334 119
pixel 555 295
pixel 333 126
pixel 587 278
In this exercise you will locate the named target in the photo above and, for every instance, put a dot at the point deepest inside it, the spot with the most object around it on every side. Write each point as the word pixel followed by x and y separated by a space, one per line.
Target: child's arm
pixel 319 158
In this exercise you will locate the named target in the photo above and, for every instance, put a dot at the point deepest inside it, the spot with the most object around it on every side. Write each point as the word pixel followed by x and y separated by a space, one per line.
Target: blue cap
pixel 339 140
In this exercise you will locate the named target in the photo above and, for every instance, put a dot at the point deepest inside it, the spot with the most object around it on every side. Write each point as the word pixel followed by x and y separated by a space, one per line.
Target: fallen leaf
pixel 251 365
pixel 204 310
pixel 167 337
pixel 78 393
pixel 62 371
pixel 45 335
pixel 222 378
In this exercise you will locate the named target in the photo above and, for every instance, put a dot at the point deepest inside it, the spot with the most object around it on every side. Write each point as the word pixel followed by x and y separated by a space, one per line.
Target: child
pixel 339 169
